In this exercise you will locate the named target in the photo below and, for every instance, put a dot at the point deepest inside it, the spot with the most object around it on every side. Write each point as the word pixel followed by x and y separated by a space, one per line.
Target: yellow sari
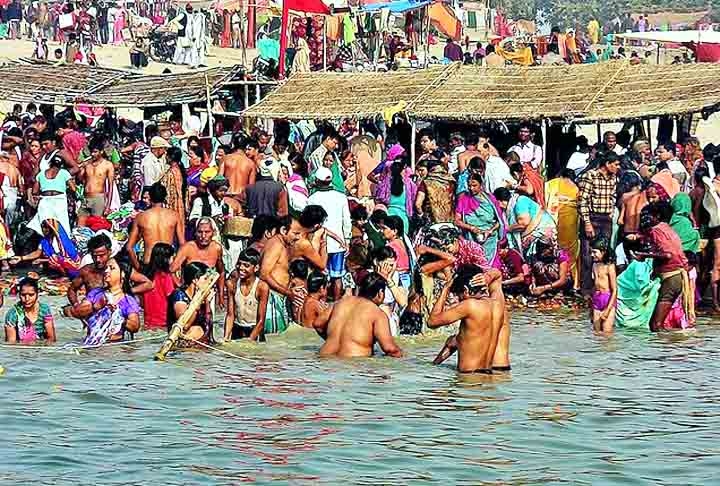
pixel 561 202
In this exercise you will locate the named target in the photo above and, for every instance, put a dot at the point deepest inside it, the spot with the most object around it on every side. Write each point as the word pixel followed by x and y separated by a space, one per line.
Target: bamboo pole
pixel 209 107
pixel 183 323
pixel 413 141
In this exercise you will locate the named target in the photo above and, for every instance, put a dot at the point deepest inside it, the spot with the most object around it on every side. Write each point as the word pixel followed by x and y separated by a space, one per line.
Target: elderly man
pixel 153 164
pixel 528 152
pixel 212 204
pixel 610 140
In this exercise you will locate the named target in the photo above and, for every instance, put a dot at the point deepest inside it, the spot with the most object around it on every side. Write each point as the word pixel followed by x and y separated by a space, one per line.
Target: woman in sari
pixel 527 222
pixel 561 202
pixel 57 248
pixel 397 191
pixel 530 182
pixel 52 185
pixel 436 193
pixel 110 312
pixel 479 216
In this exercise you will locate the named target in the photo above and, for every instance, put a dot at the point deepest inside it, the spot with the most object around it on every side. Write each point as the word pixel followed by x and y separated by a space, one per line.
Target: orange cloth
pixel 444 20
pixel 533 177
pixel 334 27
pixel 522 56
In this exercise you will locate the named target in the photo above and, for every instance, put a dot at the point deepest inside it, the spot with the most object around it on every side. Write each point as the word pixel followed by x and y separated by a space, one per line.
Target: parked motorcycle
pixel 162 44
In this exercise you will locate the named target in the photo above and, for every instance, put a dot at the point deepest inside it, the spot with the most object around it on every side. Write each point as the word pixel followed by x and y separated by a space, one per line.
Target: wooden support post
pixel 413 141
pixel 211 127
pixel 649 134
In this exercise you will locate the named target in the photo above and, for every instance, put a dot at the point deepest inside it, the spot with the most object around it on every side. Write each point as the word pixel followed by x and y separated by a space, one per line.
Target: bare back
pixel 275 261
pixel 157 225
pixel 478 336
pixel 239 171
pixel 350 331
pixel 11 172
pixel 633 205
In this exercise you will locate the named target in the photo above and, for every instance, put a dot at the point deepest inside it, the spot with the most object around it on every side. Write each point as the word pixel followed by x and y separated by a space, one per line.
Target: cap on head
pixel 323 174
pixel 159 142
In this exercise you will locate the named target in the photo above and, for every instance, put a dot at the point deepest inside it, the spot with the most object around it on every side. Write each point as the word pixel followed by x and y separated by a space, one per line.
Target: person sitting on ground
pixel 247 300
pixel 29 320
pixel 316 300
pixel 354 325
pixel 56 248
pixel 199 326
pixel 550 268
pixel 111 311
pixel 154 302
pixel 482 321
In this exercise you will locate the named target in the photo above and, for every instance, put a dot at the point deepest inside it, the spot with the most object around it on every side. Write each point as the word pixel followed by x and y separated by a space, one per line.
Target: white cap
pixel 323 174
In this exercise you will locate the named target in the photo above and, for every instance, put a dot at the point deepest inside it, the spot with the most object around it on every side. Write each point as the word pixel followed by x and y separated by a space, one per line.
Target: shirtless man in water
pixel 92 276
pixel 156 225
pixel 483 343
pixel 353 325
pixel 204 249
pixel 239 170
pixel 99 176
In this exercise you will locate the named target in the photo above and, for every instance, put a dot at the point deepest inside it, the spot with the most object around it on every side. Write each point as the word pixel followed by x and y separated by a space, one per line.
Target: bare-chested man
pixel 156 225
pixel 206 250
pixel 313 245
pixel 483 342
pixel 239 170
pixel 274 270
pixel 473 142
pixel 353 325
pixel 10 180
pixel 92 276
pixel 99 177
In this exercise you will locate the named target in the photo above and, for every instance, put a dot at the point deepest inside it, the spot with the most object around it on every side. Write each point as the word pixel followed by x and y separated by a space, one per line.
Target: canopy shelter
pixel 704 43
pixel 606 92
pixel 675 36
pixel 73 83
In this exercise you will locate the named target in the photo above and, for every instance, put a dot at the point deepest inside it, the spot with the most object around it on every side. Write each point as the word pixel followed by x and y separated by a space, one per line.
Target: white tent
pixel 675 36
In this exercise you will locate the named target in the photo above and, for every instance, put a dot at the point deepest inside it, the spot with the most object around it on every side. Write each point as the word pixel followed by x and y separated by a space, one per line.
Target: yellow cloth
pixel 522 56
pixel 594 31
pixel 688 299
pixel 561 202
pixel 391 111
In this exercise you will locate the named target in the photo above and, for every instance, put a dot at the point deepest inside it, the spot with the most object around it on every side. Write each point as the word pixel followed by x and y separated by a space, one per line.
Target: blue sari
pixel 65 258
pixel 482 211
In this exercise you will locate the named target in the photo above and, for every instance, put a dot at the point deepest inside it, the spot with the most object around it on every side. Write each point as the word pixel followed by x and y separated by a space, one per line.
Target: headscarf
pixel 681 223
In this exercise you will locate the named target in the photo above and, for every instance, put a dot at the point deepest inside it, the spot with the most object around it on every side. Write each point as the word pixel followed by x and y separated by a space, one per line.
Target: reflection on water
pixel 576 409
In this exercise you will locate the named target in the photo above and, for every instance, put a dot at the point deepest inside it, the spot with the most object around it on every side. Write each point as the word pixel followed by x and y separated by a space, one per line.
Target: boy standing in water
pixel 247 300
pixel 604 296
pixel 483 342
pixel 316 300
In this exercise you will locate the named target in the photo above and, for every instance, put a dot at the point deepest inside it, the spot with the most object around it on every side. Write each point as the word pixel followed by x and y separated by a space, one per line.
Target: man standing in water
pixel 275 271
pixel 156 225
pixel 92 276
pixel 205 250
pixel 353 326
pixel 484 339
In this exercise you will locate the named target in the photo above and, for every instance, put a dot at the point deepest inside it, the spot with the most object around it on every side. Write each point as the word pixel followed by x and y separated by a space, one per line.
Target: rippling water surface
pixel 577 409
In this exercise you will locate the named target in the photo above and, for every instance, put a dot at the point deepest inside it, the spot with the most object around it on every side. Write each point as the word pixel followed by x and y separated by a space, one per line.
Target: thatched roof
pixel 611 91
pixel 328 96
pixel 67 84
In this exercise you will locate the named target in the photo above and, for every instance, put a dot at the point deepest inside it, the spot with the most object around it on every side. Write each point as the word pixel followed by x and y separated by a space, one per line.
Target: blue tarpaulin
pixel 398 6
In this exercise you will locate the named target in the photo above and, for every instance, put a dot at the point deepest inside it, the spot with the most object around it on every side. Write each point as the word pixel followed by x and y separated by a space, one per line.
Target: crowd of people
pixel 337 230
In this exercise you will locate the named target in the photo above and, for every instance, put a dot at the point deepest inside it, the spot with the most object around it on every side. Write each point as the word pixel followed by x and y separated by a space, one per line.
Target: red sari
pixel 534 179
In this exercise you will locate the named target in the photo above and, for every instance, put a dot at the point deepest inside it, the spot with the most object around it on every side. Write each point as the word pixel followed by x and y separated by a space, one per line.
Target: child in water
pixel 298 270
pixel 605 294
pixel 316 300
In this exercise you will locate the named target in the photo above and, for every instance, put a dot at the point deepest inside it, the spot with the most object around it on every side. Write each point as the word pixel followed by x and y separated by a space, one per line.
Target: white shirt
pixel 338 220
pixel 453 164
pixel 528 153
pixel 497 174
pixel 619 150
pixel 216 208
pixel 578 161
pixel 152 169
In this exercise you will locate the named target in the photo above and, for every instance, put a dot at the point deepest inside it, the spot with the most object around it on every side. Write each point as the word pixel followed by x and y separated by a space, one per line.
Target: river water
pixel 577 409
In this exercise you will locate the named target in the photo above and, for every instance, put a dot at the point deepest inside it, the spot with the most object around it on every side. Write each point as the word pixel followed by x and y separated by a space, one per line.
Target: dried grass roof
pixel 611 91
pixel 67 84
pixel 325 96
